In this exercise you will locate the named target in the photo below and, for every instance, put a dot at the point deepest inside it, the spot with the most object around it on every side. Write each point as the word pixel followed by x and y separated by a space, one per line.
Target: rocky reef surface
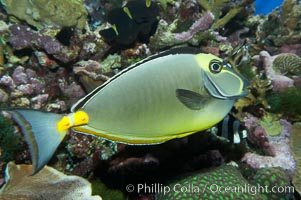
pixel 53 53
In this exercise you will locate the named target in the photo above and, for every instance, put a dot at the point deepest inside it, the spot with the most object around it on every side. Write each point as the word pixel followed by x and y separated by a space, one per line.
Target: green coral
pixel 288 63
pixel 9 141
pixel 273 179
pixel 296 150
pixel 270 123
pixel 286 102
pixel 204 185
pixel 99 188
pixel 206 182
pixel 40 13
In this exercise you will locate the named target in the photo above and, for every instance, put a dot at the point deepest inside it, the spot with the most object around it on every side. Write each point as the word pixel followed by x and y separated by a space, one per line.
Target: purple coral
pixel 201 24
pixel 19 76
pixel 279 147
pixel 24 37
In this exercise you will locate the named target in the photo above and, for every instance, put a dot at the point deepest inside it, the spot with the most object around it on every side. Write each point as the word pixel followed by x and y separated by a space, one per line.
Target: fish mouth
pixel 217 92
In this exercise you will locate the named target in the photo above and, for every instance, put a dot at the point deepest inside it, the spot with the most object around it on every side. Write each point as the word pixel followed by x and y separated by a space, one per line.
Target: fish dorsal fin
pixel 180 50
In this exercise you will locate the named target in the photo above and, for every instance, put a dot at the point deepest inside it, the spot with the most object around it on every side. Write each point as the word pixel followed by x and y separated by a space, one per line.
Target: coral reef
pixel 224 11
pixel 41 13
pixel 84 153
pixel 271 124
pixel 24 37
pixel 271 177
pixel 202 24
pixel 257 94
pixel 90 73
pixel 286 102
pixel 279 82
pixel 57 43
pixel 288 64
pixel 27 88
pixel 9 140
pixel 166 35
pixel 99 188
pixel 47 184
pixel 277 148
pixel 212 184
pixel 281 22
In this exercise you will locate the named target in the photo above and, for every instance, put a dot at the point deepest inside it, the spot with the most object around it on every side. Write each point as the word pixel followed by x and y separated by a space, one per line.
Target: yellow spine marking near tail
pixel 73 119
pixel 64 124
pixel 80 118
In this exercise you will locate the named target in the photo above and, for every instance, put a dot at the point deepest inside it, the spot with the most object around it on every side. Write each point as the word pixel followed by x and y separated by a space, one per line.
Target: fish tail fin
pixel 41 134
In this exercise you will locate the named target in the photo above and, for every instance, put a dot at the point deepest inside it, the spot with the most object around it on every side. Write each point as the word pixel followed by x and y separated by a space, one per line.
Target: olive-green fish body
pixel 165 96
pixel 141 106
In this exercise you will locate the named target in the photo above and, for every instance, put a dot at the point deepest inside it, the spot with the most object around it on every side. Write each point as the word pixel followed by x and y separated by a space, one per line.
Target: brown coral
pixel 47 184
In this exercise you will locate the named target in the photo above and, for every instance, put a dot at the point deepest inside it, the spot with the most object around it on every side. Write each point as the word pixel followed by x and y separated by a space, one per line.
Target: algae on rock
pixel 296 149
pixel 217 6
pixel 40 13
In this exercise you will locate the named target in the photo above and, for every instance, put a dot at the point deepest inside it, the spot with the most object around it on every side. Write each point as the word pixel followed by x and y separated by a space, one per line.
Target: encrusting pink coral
pixel 279 147
pixel 201 24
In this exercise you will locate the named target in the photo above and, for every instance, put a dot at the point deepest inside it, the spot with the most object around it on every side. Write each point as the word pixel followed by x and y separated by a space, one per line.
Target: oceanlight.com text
pixel 213 188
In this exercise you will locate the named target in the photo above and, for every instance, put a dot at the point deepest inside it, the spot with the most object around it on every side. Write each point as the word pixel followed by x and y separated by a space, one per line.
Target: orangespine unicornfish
pixel 165 96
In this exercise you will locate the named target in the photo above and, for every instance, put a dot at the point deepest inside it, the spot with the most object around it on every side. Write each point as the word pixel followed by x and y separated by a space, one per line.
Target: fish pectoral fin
pixel 190 99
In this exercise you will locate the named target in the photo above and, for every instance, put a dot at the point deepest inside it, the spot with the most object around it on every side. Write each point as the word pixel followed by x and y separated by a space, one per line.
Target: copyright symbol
pixel 130 188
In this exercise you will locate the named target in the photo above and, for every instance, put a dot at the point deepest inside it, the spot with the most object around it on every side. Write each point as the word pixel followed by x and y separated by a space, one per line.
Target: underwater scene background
pixel 53 53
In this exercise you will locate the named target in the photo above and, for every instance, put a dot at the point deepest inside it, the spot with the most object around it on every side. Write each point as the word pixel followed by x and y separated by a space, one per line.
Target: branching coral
pixel 217 6
pixel 165 35
pixel 202 24
pixel 282 22
pixel 256 95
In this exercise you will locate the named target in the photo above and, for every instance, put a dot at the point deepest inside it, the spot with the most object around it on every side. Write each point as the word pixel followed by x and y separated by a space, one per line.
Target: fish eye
pixel 215 66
